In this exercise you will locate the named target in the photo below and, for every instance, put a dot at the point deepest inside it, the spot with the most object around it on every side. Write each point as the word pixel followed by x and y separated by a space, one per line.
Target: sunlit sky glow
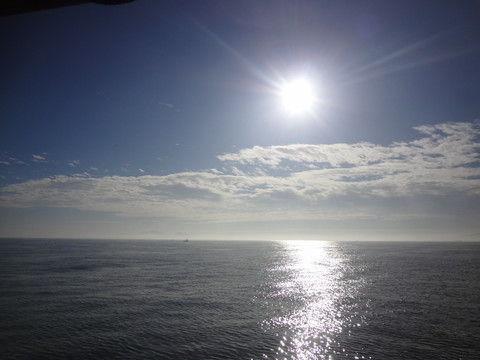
pixel 165 121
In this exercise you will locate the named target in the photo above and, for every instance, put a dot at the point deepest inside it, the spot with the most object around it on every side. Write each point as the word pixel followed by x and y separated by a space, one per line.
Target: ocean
pixel 116 299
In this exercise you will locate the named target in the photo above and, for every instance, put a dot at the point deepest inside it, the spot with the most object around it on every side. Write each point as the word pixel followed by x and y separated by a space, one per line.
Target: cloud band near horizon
pixel 299 181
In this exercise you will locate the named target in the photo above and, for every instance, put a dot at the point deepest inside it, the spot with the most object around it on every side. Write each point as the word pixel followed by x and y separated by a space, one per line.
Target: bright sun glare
pixel 297 96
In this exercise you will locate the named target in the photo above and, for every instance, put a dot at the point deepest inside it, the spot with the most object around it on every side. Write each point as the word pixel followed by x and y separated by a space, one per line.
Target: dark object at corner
pixel 15 7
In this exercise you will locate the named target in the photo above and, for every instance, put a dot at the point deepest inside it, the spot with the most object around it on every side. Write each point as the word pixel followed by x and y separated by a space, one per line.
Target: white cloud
pixel 171 106
pixel 39 158
pixel 291 182
pixel 6 160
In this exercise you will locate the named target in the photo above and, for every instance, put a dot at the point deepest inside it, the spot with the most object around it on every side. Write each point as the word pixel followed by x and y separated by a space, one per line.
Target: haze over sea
pixel 85 299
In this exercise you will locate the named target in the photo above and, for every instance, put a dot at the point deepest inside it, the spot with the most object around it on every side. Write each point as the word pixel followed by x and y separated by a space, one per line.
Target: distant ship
pixel 186 240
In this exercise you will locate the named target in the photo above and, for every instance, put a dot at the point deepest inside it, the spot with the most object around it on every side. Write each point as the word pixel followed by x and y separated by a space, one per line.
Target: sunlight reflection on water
pixel 307 308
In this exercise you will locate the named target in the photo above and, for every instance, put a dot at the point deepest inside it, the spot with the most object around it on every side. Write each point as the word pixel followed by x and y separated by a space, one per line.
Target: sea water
pixel 112 299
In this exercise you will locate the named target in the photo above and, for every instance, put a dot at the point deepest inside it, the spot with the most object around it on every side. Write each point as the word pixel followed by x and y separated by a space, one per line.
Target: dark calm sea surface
pixel 86 299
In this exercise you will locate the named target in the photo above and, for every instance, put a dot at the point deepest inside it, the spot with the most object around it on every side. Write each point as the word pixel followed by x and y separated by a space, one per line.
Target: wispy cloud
pixel 171 106
pixel 6 159
pixel 39 158
pixel 290 182
pixel 74 163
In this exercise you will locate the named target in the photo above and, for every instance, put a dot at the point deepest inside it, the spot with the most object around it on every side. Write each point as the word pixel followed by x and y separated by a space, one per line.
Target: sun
pixel 297 96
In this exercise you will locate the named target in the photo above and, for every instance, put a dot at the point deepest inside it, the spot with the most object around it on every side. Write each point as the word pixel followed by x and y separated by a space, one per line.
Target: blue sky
pixel 164 120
